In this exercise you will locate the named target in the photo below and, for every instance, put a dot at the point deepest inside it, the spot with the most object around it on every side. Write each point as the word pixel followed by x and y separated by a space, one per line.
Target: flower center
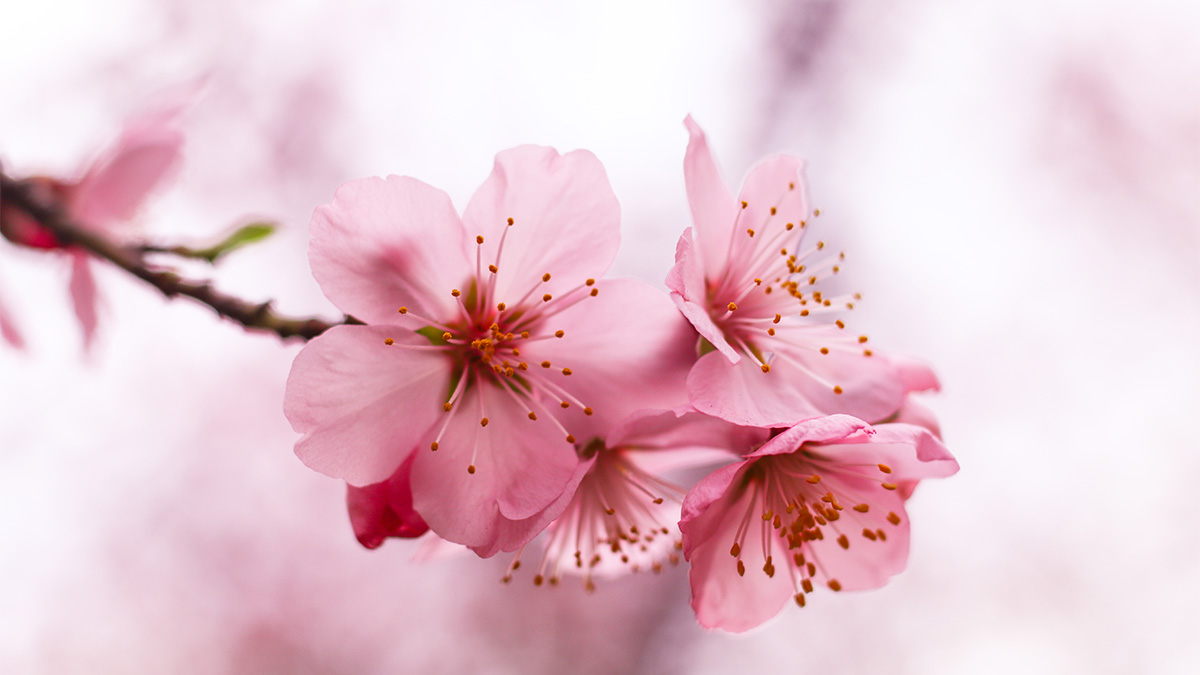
pixel 486 338
pixel 796 508
pixel 621 518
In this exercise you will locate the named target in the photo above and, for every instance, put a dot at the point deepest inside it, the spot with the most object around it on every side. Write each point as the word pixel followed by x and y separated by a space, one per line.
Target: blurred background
pixel 1017 188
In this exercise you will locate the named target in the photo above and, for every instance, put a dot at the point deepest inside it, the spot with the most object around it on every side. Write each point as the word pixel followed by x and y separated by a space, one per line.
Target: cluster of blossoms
pixel 503 395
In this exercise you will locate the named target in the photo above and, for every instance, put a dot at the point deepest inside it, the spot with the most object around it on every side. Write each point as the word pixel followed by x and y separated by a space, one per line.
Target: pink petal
pixel 521 468
pixel 661 440
pixel 776 182
pixel 385 509
pixel 8 328
pixel 713 210
pixel 363 405
pixel 566 220
pixel 83 295
pixel 915 413
pixel 721 597
pixel 388 243
pixel 800 384
pixel 627 348
pixel 911 452
pixel 829 430
pixel 111 191
pixel 686 281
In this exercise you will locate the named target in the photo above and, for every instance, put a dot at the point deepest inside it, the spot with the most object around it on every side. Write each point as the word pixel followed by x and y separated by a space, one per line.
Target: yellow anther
pixel 501 307
pixel 862 339
pixel 885 468
pixel 532 415
pixel 591 282
pixel 588 411
pixel 799 598
pixel 389 341
pixel 479 239
pixel 790 226
pixel 510 221
pixel 546 276
pixel 766 368
pixel 890 486
pixel 545 364
pixel 869 534
pixel 455 292
pixel 525 334
pixel 595 292
pixel 570 438
pixel 772 210
pixel 741 567
pixel 566 371
pixel 835 585
pixel 806 584
pixel 862 508
pixel 483 422
pixel 447 406
pixel 804 312
pixel 735 550
pixel 820 245
pixel 770 331
pixel 403 310
pixel 824 350
pixel 840 323
pixel 731 306
pixel 493 269
pixel 867 352
pixel 446 336
pixel 565 404
pixel 471 468
pixel 547 297
pixel 744 205
pixel 791 186
pixel 558 333
pixel 893 518
pixel 433 446
pixel 813 479
pixel 843 541
pixel 837 390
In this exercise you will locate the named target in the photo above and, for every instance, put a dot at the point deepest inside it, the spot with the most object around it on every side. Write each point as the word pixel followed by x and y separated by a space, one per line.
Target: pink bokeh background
pixel 1018 192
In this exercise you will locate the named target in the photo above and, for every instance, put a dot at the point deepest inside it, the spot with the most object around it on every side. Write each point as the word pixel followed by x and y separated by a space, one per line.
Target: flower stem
pixel 252 316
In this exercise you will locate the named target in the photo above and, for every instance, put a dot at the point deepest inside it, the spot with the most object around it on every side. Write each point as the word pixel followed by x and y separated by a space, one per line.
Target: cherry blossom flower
pixel 749 279
pixel 106 197
pixel 489 338
pixel 818 504
pixel 624 515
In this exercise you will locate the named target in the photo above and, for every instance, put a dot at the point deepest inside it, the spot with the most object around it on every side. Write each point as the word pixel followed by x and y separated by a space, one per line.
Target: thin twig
pixel 252 316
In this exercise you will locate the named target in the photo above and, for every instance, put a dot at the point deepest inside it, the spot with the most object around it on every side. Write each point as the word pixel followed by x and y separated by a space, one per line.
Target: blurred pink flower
pixel 503 342
pixel 106 198
pixel 624 515
pixel 746 280
pixel 821 500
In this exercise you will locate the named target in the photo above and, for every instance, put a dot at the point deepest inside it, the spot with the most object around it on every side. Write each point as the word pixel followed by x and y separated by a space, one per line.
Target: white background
pixel 1017 187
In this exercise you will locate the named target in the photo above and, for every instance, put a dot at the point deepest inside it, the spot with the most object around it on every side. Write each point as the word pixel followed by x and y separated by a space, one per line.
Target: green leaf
pixel 246 234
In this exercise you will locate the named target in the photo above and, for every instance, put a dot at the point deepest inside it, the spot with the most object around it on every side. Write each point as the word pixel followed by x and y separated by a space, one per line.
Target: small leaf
pixel 246 234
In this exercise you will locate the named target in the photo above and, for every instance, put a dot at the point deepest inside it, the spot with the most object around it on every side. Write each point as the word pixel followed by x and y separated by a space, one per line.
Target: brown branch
pixel 252 316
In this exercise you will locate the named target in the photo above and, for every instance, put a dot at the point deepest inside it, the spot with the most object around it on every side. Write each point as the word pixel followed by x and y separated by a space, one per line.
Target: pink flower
pixel 107 197
pixel 819 504
pixel 624 514
pixel 749 280
pixel 488 340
